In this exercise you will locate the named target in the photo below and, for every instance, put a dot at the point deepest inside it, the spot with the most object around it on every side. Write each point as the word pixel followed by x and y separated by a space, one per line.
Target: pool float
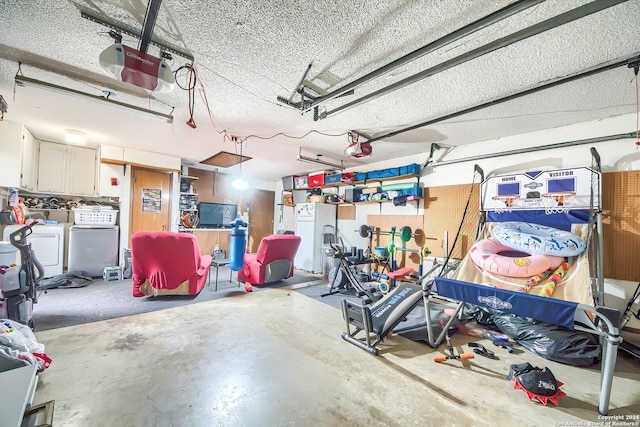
pixel 494 257
pixel 538 239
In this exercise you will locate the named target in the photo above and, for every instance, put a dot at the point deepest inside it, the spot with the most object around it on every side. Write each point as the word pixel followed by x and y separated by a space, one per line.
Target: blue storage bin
pixel 333 179
pixel 383 173
pixel 410 169
pixel 361 176
pixel 417 191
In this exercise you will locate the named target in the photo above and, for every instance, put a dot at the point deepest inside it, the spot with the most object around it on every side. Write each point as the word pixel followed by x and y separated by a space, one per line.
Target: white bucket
pixel 10 278
pixel 8 253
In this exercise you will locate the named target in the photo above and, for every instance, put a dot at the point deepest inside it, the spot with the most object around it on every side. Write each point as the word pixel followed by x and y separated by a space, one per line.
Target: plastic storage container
pixel 8 254
pixel 333 179
pixel 287 182
pixel 9 278
pixel 316 179
pixel 411 169
pixel 300 181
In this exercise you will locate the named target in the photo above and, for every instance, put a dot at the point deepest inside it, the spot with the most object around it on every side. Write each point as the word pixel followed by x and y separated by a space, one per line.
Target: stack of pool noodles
pixel 542 253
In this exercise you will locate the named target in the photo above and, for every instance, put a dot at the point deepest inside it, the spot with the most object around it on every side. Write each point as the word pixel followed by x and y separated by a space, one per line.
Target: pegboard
pixel 621 224
pixel 444 209
pixel 385 222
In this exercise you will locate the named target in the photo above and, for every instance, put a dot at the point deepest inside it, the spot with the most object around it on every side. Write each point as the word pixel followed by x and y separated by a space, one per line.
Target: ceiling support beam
pixel 149 22
pixel 607 67
pixel 548 24
pixel 499 15
pixel 535 149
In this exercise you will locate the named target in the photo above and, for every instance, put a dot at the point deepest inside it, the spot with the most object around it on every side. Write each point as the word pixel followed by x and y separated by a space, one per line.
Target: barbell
pixel 405 232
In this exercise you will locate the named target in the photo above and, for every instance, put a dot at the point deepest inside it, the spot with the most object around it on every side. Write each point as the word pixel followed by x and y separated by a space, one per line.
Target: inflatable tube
pixel 538 239
pixel 487 254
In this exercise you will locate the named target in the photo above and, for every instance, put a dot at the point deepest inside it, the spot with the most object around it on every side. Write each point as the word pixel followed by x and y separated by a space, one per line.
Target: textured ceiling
pixel 249 53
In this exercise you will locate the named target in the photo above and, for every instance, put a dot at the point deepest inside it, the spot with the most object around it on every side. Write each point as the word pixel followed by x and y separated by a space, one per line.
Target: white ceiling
pixel 247 53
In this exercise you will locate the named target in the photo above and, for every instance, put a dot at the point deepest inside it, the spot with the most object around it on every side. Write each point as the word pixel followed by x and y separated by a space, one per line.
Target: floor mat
pixel 100 300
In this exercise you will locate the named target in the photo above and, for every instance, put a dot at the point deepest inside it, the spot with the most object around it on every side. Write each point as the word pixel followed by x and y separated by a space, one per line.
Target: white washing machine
pixel 47 242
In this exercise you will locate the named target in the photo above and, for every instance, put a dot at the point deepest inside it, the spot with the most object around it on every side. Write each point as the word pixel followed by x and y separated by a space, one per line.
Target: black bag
pixel 549 341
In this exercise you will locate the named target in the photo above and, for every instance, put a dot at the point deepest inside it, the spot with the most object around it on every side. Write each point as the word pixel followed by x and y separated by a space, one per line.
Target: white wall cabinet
pixel 66 169
pixel 81 173
pixel 18 156
pixel 52 167
pixel 29 168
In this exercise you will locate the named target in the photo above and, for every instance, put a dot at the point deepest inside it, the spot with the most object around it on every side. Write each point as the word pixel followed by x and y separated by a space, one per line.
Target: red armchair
pixel 272 262
pixel 167 263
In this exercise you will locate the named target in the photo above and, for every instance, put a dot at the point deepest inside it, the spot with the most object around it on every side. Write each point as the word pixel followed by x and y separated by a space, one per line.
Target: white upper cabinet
pixel 15 143
pixel 66 169
pixel 81 171
pixel 29 169
pixel 52 167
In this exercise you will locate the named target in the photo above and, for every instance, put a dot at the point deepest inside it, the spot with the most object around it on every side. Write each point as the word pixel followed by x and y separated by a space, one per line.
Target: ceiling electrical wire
pixel 192 79
pixel 235 139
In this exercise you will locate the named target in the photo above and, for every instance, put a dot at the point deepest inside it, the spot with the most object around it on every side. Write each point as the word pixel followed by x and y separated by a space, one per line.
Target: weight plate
pixel 364 231
pixel 405 233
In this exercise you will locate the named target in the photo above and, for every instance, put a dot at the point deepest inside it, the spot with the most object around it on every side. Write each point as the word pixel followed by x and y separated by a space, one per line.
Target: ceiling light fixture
pixel 75 137
pixel 317 160
pixel 239 183
pixel 29 82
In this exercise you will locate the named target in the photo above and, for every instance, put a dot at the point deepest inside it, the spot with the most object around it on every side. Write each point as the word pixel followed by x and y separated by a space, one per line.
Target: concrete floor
pixel 275 358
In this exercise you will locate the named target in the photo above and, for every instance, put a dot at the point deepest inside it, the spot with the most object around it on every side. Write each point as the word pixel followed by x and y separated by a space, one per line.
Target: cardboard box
pixel 370 190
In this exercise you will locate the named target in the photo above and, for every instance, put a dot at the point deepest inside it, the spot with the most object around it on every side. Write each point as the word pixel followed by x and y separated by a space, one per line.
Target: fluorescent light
pixel 23 81
pixel 75 137
pixel 317 160
pixel 239 184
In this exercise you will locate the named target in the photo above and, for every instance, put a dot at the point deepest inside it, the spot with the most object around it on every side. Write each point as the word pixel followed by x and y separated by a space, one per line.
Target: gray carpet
pixel 100 300
pixel 316 291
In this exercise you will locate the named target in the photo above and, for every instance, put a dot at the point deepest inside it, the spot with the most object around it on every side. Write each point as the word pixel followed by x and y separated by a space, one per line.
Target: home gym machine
pixel 343 279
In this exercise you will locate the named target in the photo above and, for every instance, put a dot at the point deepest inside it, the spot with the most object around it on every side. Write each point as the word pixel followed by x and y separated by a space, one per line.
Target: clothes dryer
pixel 47 242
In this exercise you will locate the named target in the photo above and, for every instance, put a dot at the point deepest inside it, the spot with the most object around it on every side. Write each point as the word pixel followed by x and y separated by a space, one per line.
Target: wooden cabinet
pixel 66 169
pixel 208 239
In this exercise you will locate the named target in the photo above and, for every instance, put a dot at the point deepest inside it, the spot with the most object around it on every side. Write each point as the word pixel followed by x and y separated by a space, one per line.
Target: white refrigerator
pixel 311 218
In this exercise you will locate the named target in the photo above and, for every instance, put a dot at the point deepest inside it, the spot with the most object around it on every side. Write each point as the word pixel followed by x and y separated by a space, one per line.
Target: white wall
pixel 620 155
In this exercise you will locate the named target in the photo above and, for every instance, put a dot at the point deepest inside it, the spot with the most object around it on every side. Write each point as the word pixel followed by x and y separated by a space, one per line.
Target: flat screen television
pixel 216 215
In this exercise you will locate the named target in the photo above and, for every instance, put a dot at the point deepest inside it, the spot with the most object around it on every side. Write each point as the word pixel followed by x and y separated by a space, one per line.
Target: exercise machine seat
pixel 272 262
pixel 167 263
